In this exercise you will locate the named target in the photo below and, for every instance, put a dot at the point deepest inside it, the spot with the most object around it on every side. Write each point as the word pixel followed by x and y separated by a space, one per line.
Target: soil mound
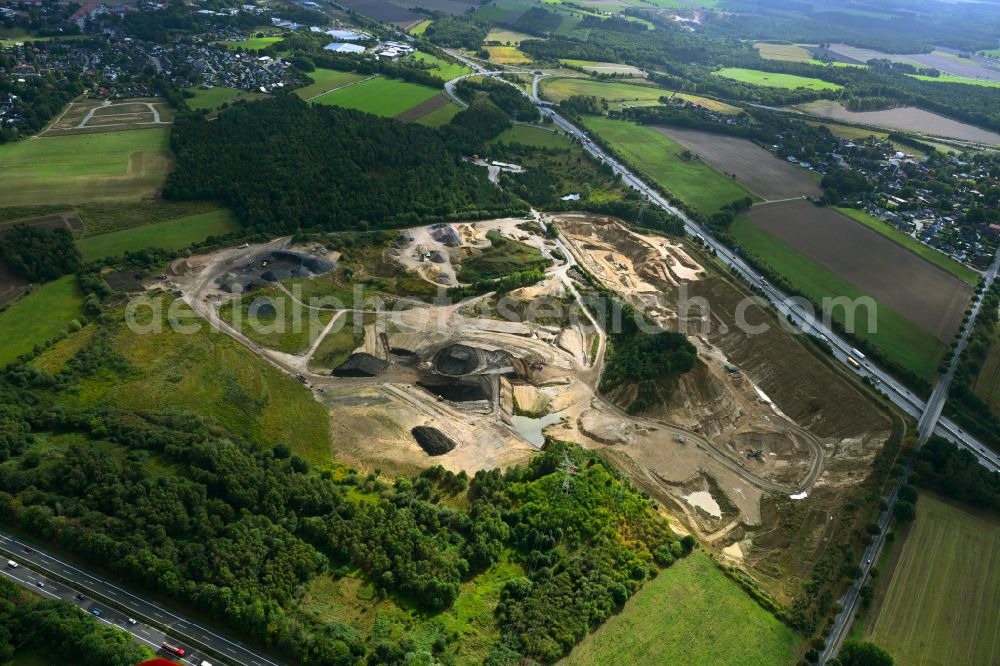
pixel 361 365
pixel 432 440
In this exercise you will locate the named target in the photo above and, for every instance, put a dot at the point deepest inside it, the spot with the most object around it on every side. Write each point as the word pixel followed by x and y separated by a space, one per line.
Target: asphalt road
pixel 154 623
pixel 883 381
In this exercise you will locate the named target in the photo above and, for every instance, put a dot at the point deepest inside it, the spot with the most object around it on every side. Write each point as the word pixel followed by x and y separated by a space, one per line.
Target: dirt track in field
pixel 930 297
pixel 761 172
pixel 422 109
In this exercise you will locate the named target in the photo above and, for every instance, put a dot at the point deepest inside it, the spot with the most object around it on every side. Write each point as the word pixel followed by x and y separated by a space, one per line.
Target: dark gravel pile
pixel 432 440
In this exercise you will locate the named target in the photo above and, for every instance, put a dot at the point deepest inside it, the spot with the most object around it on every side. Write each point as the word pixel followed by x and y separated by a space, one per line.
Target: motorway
pixel 154 624
pixel 902 397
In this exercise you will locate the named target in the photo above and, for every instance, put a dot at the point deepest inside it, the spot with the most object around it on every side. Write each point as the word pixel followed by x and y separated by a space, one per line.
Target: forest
pixel 944 468
pixel 180 507
pixel 283 165
pixel 37 254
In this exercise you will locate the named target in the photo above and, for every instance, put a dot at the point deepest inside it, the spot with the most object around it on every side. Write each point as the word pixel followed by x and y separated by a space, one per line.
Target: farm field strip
pixel 756 169
pixel 772 80
pixel 556 89
pixel 922 292
pixel 942 604
pixel 896 335
pixel 694 181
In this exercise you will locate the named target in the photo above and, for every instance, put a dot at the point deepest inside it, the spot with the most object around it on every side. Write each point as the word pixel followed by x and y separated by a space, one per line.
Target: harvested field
pixel 942 603
pixel 757 169
pixel 906 118
pixel 786 52
pixel 384 11
pixel 927 295
pixel 943 60
pixel 593 67
pixel 507 55
pixel 423 109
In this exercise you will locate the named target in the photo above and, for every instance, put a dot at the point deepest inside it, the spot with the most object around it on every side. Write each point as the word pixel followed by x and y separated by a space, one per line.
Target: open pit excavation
pixel 479 383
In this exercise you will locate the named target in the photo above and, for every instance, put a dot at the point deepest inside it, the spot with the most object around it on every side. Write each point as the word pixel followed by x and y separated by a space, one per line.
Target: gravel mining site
pixel 762 421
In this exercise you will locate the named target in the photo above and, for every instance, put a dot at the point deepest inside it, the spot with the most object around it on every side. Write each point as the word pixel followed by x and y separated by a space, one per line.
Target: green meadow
pixel 169 235
pixel 693 181
pixel 381 96
pixel 78 168
pixel 39 317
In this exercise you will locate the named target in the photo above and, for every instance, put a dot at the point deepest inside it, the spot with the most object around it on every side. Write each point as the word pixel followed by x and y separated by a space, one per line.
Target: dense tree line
pixel 283 165
pixel 58 629
pixel 508 98
pixel 457 32
pixel 537 21
pixel 237 530
pixel 39 98
pixel 944 468
pixel 38 254
pixel 972 411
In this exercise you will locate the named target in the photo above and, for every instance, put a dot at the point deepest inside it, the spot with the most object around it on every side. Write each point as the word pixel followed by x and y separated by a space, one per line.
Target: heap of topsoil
pixel 432 440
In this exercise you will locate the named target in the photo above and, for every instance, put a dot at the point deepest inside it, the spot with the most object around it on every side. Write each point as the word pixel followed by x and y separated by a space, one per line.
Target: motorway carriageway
pixel 115 605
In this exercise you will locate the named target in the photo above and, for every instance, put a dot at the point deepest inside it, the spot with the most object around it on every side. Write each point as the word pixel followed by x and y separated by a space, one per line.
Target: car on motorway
pixel 78 596
pixel 172 649
pixel 131 620
pixel 39 583
pixel 28 549
pixel 11 564
pixel 95 612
